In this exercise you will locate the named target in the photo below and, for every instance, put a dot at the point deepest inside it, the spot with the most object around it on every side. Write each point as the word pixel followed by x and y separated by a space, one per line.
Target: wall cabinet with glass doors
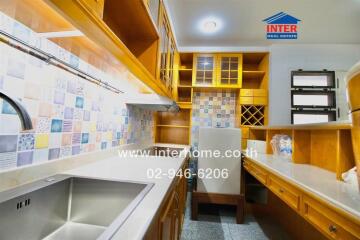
pixel 217 70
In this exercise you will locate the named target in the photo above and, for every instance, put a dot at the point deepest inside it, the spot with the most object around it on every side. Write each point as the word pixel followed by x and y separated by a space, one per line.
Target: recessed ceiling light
pixel 210 25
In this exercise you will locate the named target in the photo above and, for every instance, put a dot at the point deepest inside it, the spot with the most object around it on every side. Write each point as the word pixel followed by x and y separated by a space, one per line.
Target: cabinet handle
pixel 281 190
pixel 332 228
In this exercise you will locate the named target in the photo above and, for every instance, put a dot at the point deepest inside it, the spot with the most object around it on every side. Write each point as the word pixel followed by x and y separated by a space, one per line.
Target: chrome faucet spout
pixel 21 111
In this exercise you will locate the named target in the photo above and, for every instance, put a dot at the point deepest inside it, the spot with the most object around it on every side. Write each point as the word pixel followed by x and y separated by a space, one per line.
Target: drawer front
pixel 260 93
pixel 246 92
pixel 246 100
pixel 328 222
pixel 284 191
pixel 259 173
pixel 260 100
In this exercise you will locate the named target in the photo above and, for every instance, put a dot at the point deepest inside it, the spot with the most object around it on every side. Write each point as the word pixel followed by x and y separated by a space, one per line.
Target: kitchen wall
pixel 285 58
pixel 70 115
pixel 212 109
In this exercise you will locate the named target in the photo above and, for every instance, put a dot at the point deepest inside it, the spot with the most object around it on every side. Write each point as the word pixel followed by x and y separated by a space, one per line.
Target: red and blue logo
pixel 281 26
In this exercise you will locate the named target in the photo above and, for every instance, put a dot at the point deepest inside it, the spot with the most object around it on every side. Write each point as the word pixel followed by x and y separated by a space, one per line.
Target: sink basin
pixel 164 151
pixel 68 207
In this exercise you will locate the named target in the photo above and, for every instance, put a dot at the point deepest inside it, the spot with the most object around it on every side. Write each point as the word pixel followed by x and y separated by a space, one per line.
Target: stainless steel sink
pixel 164 151
pixel 67 207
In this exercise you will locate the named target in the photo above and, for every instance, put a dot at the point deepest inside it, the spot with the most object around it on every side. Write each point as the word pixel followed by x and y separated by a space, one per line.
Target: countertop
pixel 135 169
pixel 314 180
pixel 313 126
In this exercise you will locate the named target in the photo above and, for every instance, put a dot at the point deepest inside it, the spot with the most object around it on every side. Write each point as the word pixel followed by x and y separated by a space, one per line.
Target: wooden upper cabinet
pixel 204 69
pixel 167 51
pixel 154 6
pixel 229 71
pixel 97 6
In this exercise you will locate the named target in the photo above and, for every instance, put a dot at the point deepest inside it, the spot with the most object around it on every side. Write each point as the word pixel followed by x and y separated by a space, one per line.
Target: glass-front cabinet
pixel 217 70
pixel 229 70
pixel 205 70
pixel 167 51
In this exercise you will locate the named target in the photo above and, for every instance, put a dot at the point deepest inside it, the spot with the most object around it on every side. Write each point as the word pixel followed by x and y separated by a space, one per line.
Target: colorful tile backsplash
pixel 212 109
pixel 70 116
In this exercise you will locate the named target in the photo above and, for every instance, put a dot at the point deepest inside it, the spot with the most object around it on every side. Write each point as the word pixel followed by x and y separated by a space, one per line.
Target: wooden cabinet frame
pixel 219 70
pixel 195 69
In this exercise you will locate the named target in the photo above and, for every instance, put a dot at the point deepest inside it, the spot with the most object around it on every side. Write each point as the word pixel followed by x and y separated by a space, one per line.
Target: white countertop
pixel 135 169
pixel 315 180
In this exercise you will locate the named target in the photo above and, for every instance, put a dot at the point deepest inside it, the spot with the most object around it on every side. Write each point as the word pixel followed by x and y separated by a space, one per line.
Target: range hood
pixel 153 102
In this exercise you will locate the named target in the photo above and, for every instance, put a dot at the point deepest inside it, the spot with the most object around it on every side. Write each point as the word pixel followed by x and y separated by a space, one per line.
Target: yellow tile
pixel 109 136
pixel 42 141
pixel 93 127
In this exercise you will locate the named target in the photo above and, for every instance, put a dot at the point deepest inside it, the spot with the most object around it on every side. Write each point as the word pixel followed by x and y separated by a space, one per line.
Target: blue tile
pixel 79 103
pixel 25 158
pixel 7 108
pixel 103 145
pixel 56 125
pixel 85 138
pixel 54 153
pixel 75 150
pixel 8 143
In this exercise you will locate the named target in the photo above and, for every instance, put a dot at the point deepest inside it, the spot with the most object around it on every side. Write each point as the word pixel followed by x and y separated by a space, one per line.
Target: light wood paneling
pixel 324 147
pixel 301 146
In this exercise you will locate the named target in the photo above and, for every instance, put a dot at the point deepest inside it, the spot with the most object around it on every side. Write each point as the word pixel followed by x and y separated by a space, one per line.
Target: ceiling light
pixel 210 25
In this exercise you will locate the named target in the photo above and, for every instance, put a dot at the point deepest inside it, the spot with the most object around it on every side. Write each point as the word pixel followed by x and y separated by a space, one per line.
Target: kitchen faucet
pixel 21 111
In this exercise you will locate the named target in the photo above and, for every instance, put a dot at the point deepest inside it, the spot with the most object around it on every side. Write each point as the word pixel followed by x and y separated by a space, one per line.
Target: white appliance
pixel 222 140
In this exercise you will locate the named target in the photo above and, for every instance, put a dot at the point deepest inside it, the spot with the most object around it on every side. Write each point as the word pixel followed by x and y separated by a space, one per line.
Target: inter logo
pixel 281 26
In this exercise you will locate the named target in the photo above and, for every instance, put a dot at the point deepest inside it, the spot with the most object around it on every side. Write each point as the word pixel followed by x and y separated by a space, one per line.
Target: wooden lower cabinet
pixel 331 222
pixel 168 222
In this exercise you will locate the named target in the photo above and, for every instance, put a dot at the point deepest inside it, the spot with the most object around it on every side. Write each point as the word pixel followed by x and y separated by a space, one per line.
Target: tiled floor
pixel 217 223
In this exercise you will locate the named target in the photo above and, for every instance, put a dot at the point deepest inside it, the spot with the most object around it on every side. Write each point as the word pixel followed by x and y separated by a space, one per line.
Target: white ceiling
pixel 322 21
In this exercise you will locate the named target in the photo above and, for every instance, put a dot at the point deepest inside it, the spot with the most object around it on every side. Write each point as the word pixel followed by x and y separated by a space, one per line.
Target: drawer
pixel 246 92
pixel 260 93
pixel 329 222
pixel 246 100
pixel 260 101
pixel 259 173
pixel 247 165
pixel 284 191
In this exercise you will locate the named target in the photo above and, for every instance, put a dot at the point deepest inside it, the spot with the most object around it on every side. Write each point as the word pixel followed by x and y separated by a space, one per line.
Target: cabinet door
pixel 170 71
pixel 164 49
pixel 204 74
pixel 167 220
pixel 176 216
pixel 229 70
pixel 154 7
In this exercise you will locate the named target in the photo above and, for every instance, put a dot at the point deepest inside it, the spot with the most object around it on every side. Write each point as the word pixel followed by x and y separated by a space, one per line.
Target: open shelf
pixel 172 135
pixel 184 94
pixel 181 118
pixel 328 148
pixel 132 23
pixel 172 126
pixel 252 61
pixel 185 77
pixel 186 60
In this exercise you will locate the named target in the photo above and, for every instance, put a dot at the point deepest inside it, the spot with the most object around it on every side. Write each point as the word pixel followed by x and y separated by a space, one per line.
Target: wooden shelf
pixel 327 146
pixel 253 74
pixel 180 118
pixel 185 105
pixel 136 55
pixel 173 126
